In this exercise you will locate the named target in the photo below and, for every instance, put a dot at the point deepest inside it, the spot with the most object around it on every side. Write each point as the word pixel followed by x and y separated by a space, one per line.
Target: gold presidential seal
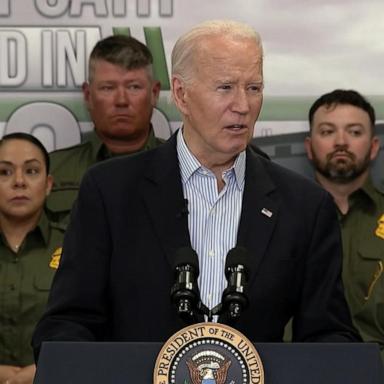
pixel 208 353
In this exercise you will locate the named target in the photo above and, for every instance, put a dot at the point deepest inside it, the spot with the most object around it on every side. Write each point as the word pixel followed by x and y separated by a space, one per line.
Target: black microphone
pixel 234 300
pixel 184 293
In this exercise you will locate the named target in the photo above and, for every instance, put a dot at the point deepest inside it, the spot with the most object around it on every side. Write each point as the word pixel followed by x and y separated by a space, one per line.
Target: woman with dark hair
pixel 30 248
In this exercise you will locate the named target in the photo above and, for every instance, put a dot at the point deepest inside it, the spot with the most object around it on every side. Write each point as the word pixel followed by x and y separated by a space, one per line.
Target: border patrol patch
pixel 55 259
pixel 208 353
pixel 380 229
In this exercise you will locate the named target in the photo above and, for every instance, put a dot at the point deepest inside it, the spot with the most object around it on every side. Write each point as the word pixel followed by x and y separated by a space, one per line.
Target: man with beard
pixel 341 146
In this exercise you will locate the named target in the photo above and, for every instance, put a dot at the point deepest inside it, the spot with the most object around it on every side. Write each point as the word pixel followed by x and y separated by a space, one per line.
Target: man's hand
pixel 17 375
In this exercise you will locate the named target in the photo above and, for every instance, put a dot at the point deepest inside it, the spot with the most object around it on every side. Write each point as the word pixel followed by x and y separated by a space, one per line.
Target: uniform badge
pixel 55 259
pixel 380 228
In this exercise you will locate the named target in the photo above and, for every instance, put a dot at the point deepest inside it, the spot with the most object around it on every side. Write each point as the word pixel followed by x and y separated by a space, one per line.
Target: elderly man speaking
pixel 205 190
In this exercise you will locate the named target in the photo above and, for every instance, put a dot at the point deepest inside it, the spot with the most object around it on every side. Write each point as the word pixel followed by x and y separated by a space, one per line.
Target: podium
pixel 284 363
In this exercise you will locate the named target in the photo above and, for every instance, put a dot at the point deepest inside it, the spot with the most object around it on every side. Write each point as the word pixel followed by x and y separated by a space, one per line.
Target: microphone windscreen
pixel 236 256
pixel 184 256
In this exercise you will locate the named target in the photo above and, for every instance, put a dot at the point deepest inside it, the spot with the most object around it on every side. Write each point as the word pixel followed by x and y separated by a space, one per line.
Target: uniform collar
pixel 42 229
pixel 367 194
pixel 100 151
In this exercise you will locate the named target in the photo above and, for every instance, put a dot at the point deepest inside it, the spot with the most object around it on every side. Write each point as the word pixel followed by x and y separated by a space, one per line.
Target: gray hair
pixel 185 47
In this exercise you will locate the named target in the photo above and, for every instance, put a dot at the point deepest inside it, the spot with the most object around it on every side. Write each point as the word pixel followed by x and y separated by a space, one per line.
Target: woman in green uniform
pixel 30 248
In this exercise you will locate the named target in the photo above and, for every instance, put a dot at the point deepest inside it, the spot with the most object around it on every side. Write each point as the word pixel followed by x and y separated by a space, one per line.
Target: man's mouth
pixel 341 155
pixel 236 127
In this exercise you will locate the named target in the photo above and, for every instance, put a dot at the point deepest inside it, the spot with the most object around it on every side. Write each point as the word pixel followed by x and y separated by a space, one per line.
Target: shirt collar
pixel 368 190
pixel 100 151
pixel 42 228
pixel 189 164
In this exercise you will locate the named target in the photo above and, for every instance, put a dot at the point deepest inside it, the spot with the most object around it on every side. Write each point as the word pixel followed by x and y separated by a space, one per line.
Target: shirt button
pixel 211 253
pixel 15 260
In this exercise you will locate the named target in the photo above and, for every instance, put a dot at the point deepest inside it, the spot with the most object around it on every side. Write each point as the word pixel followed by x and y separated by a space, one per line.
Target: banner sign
pixel 310 48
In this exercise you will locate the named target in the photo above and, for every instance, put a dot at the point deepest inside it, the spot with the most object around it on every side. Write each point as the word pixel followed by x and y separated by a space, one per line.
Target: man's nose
pixel 240 102
pixel 121 96
pixel 340 138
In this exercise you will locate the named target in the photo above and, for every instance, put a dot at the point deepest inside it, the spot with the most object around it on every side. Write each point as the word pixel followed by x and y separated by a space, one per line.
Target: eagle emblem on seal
pixel 208 367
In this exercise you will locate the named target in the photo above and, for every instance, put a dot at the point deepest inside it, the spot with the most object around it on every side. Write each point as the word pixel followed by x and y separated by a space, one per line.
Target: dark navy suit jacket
pixel 115 273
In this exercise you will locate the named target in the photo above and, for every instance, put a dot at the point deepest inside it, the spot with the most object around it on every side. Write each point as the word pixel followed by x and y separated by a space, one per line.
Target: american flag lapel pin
pixel 266 212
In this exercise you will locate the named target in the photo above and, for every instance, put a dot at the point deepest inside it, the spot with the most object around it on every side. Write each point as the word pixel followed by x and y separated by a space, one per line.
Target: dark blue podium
pixel 285 363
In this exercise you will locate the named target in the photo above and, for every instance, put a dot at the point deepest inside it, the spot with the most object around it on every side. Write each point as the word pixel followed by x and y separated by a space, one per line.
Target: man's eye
pixel 255 88
pixel 225 87
pixel 106 87
pixel 134 87
pixel 355 132
pixel 326 132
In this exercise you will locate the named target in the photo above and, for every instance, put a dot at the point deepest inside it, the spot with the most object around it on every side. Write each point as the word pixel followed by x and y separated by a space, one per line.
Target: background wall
pixel 311 47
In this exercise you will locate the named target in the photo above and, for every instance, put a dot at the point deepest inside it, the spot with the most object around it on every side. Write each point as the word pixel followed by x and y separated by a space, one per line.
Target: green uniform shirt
pixel 68 167
pixel 363 263
pixel 25 280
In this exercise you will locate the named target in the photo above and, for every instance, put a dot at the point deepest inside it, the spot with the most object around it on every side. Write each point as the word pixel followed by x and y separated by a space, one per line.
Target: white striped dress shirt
pixel 213 218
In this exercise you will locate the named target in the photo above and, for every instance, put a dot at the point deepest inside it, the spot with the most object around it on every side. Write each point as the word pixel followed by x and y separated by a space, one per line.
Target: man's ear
pixel 179 94
pixel 375 147
pixel 86 93
pixel 308 147
pixel 156 87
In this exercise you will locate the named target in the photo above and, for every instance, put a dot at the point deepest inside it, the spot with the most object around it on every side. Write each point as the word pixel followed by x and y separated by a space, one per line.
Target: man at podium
pixel 203 190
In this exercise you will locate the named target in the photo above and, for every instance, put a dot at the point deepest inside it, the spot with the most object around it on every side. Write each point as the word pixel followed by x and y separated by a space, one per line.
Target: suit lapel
pixel 163 196
pixel 259 210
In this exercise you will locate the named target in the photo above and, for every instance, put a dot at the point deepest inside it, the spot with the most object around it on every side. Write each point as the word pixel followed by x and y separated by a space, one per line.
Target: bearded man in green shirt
pixel 120 96
pixel 341 146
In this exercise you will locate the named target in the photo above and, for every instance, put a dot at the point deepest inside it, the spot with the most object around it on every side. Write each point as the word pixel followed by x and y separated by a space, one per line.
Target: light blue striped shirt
pixel 213 218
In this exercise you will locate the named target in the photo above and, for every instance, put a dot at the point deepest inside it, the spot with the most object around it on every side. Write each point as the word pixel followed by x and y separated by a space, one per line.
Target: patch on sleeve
pixel 380 228
pixel 55 260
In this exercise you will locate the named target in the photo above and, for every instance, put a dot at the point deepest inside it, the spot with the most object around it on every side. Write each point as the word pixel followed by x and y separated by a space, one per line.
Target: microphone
pixel 184 293
pixel 234 300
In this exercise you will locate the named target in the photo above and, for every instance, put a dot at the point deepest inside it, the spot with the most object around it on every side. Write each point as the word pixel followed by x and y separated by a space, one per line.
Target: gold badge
pixel 208 353
pixel 380 229
pixel 55 260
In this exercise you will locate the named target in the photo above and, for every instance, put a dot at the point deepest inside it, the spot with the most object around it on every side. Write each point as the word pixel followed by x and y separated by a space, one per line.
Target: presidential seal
pixel 208 353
